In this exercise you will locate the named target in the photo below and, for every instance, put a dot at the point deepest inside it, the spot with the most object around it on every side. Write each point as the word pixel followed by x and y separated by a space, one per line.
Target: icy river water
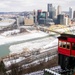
pixel 4 49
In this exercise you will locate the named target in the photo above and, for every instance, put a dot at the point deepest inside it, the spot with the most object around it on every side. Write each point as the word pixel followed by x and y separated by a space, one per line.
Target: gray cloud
pixel 25 5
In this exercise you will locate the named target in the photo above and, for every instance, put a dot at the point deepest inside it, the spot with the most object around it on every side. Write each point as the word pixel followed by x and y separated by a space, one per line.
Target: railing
pixel 50 72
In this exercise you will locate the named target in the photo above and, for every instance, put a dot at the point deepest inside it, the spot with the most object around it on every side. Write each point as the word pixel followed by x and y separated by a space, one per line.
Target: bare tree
pixel 16 69
pixel 2 68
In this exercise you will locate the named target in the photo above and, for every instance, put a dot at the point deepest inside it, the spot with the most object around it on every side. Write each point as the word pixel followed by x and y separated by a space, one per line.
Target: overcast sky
pixel 29 5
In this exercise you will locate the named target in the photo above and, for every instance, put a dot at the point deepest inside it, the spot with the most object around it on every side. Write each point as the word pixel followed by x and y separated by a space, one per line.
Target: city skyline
pixel 29 5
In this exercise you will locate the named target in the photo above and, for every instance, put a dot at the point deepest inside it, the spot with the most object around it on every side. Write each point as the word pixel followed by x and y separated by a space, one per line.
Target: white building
pixel 66 20
pixel 58 10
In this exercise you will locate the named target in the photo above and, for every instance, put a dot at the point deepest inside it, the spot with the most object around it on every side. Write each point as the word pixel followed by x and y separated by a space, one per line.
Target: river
pixel 4 49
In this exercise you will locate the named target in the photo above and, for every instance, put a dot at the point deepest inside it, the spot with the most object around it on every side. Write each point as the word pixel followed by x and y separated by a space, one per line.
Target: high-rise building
pixel 51 11
pixel 49 7
pixel 43 14
pixel 58 10
pixel 74 14
pixel 42 17
pixel 70 12
pixel 66 20
pixel 60 19
pixel 38 14
pixel 35 16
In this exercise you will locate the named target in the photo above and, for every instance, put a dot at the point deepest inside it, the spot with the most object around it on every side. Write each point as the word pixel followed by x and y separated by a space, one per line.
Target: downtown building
pixel 52 11
pixel 58 10
pixel 74 15
pixel 29 20
pixel 70 13
pixel 35 17
pixel 38 15
pixel 41 17
pixel 60 19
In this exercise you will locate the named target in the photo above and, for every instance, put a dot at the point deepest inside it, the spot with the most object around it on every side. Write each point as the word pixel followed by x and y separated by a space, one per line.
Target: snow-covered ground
pixel 9 33
pixel 36 73
pixel 8 63
pixel 41 72
pixel 11 39
pixel 51 70
pixel 51 44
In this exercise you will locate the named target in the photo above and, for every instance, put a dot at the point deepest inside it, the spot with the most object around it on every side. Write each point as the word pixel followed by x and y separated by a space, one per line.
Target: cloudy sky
pixel 28 5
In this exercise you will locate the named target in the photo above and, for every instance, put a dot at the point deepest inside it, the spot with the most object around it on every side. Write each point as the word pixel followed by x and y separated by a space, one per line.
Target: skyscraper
pixel 42 17
pixel 49 7
pixel 38 14
pixel 74 14
pixel 58 10
pixel 51 11
pixel 70 12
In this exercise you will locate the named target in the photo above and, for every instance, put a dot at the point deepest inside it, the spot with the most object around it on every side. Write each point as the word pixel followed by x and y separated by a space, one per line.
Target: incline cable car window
pixel 64 44
pixel 60 44
pixel 68 45
pixel 73 46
